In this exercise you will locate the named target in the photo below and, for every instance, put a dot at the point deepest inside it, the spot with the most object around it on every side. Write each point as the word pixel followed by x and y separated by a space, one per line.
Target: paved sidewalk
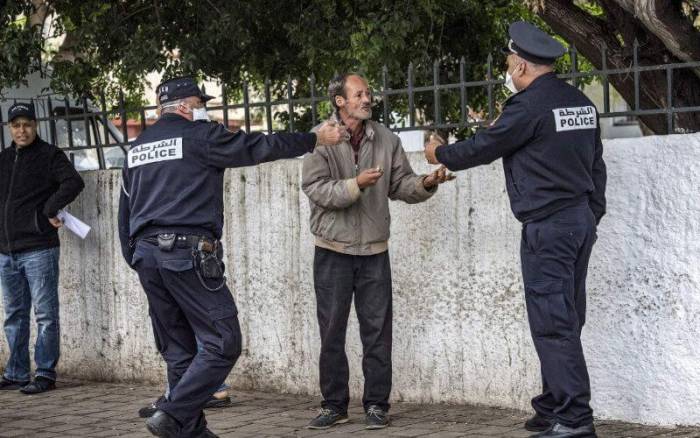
pixel 86 409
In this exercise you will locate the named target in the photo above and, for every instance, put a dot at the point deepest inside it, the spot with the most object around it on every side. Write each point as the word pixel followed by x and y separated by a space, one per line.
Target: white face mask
pixel 509 83
pixel 200 114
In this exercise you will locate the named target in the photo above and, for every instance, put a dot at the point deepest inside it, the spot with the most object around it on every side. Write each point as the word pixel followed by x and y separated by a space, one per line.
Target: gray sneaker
pixel 327 418
pixel 376 418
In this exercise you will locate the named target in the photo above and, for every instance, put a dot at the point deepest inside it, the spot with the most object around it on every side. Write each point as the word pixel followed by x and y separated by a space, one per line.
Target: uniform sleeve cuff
pixel 438 154
pixel 353 189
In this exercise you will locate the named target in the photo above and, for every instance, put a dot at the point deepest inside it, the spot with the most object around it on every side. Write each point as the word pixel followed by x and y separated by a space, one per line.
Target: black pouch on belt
pixel 166 241
pixel 210 263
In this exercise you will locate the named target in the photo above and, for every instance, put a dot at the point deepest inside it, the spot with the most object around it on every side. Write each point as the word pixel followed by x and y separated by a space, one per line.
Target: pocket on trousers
pixel 225 320
pixel 547 309
pixel 177 265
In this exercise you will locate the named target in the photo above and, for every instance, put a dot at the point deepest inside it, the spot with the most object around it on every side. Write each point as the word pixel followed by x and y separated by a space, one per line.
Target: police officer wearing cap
pixel 549 139
pixel 170 223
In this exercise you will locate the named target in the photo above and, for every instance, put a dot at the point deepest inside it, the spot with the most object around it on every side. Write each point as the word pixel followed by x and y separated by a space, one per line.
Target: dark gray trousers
pixel 337 277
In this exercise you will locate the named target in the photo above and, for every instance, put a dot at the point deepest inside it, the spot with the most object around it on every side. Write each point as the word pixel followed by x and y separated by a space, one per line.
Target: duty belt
pixel 186 241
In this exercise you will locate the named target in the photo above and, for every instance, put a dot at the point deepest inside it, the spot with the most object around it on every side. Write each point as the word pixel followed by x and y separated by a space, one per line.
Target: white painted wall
pixel 460 327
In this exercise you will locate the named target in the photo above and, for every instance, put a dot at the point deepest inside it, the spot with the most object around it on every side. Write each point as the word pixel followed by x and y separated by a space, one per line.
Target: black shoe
pixel 327 418
pixel 376 418
pixel 560 431
pixel 214 402
pixel 538 423
pixel 8 385
pixel 148 411
pixel 207 434
pixel 163 425
pixel 39 385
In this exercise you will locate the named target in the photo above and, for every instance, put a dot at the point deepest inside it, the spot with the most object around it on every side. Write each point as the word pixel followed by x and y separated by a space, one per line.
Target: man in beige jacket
pixel 349 187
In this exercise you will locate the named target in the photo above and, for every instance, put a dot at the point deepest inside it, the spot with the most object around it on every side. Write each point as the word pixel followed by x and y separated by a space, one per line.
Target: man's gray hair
pixel 336 87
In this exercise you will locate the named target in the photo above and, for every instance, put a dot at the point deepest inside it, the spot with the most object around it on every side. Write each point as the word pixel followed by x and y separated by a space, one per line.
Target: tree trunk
pixel 41 10
pixel 590 34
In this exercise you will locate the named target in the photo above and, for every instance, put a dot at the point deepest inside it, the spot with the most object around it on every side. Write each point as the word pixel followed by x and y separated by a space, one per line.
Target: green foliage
pixel 118 42
pixel 21 44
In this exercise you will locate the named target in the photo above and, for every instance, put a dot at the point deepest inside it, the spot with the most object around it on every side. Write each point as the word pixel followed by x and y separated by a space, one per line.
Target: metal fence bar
pixel 636 74
pixel 312 84
pixel 98 143
pixel 246 111
pixel 52 121
pixel 268 107
pixel 385 96
pixel 290 96
pixel 574 66
pixel 105 120
pixel 463 112
pixel 606 82
pixel 122 116
pixel 224 102
pixel 69 124
pixel 88 116
pixel 669 101
pixel 436 92
pixel 489 77
pixel 86 121
pixel 411 101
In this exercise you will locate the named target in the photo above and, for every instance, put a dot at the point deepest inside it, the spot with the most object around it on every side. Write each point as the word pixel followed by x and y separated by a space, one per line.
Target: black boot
pixel 538 423
pixel 560 431
pixel 39 385
pixel 163 425
pixel 148 411
pixel 10 385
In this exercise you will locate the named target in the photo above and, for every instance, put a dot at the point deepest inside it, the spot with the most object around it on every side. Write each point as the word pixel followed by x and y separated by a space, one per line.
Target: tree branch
pixel 664 19
pixel 589 34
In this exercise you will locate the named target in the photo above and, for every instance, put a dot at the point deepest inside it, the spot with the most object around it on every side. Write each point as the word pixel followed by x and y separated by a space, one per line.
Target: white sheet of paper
pixel 78 227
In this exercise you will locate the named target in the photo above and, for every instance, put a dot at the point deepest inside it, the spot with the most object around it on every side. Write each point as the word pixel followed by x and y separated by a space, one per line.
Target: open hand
pixel 438 177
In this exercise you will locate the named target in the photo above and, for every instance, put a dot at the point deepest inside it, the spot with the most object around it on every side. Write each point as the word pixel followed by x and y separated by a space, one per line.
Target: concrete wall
pixel 460 326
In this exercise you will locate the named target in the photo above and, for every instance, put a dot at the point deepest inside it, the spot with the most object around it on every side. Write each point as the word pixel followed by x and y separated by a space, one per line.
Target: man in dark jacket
pixel 36 181
pixel 549 139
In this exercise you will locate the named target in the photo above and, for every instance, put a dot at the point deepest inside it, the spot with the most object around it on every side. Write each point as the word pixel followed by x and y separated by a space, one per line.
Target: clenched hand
pixel 331 133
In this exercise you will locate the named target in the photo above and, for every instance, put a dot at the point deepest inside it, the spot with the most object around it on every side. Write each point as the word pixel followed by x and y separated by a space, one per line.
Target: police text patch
pixel 569 119
pixel 163 150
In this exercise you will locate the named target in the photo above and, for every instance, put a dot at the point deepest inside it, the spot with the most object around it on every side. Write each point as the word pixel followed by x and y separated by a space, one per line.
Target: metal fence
pixel 84 127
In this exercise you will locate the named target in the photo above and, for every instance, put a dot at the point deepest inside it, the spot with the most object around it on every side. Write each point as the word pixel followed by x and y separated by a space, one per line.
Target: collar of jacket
pixel 172 116
pixel 539 80
pixel 33 144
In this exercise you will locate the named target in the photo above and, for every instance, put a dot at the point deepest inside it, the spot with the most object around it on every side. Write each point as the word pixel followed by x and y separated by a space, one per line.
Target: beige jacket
pixel 344 218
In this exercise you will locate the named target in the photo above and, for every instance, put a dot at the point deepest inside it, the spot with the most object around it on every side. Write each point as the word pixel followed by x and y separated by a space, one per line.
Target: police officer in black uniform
pixel 170 222
pixel 549 139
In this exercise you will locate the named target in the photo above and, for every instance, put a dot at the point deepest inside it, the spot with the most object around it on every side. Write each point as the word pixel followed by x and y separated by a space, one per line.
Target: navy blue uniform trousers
pixel 554 254
pixel 182 312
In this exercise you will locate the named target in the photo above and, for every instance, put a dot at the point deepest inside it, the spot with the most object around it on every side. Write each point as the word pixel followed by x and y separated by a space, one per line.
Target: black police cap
pixel 180 88
pixel 532 44
pixel 21 110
